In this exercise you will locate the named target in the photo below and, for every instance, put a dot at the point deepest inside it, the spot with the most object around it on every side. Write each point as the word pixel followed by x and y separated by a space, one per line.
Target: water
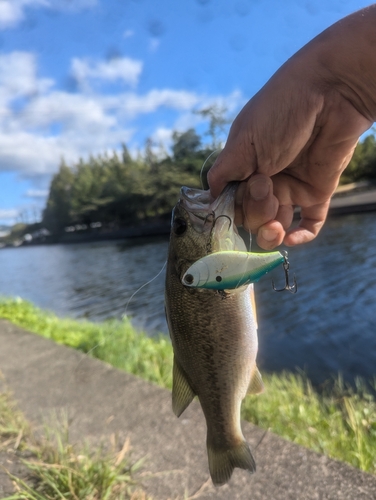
pixel 328 327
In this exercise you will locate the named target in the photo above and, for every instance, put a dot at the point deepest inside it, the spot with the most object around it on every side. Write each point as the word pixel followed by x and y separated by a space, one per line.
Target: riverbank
pixel 359 197
pixel 340 422
pixel 84 234
pixel 101 401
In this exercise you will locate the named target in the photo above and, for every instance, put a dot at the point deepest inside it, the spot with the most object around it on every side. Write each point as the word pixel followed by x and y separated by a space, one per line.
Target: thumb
pixel 229 166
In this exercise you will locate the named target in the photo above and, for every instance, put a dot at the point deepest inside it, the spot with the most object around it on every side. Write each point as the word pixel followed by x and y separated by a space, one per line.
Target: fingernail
pixel 259 189
pixel 268 234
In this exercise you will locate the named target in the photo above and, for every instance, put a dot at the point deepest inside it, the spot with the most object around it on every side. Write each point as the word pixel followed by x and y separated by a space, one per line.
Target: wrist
pixel 345 59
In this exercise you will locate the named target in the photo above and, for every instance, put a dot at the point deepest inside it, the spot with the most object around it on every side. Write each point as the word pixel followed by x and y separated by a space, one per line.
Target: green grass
pixel 114 342
pixel 55 469
pixel 340 423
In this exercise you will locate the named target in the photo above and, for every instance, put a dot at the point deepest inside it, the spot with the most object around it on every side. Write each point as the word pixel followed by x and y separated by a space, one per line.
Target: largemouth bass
pixel 213 333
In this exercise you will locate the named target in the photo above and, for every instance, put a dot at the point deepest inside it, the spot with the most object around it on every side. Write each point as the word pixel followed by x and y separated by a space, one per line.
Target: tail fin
pixel 223 462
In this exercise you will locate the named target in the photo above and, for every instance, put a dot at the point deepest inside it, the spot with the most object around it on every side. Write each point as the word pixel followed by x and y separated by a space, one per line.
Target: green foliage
pixel 340 423
pixel 57 212
pixel 363 163
pixel 185 144
pixel 119 191
pixel 123 191
pixel 217 122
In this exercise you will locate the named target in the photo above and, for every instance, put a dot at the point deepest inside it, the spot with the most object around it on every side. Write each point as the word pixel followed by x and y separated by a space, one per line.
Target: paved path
pixel 355 202
pixel 101 400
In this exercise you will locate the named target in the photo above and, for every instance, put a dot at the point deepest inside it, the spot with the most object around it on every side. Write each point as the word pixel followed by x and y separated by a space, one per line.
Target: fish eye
pixel 179 226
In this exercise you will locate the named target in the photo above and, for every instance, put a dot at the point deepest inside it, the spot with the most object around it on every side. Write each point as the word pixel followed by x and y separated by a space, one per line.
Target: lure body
pixel 227 270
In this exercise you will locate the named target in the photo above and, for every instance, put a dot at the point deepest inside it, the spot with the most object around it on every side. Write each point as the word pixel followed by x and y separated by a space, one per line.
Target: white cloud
pixel 12 12
pixel 40 124
pixel 37 193
pixel 132 104
pixel 18 76
pixel 8 214
pixel 74 111
pixel 120 68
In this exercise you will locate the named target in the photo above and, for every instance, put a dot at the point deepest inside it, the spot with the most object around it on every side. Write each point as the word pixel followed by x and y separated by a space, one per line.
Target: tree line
pixel 118 190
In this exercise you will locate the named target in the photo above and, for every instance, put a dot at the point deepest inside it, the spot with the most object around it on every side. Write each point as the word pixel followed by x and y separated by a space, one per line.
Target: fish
pixel 213 332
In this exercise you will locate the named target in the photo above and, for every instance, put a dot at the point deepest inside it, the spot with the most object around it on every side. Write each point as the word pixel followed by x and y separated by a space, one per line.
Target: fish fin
pixel 182 393
pixel 223 462
pixel 256 385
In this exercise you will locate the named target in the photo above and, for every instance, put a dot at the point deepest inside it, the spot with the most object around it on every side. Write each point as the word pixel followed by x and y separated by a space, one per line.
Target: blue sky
pixel 79 77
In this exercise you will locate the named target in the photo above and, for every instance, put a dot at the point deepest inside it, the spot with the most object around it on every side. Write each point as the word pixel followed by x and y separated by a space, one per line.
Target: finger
pixel 229 166
pixel 259 204
pixel 270 235
pixel 312 220
pixel 285 216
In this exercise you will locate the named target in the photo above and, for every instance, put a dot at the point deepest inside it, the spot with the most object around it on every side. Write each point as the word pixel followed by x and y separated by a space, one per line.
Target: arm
pixel 294 138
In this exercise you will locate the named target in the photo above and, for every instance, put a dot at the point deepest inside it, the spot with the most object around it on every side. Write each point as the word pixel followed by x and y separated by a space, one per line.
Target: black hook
pixel 291 288
pixel 223 215
pixel 212 214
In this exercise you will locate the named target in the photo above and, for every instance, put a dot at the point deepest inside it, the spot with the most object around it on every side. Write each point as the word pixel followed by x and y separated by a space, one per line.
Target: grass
pixel 55 469
pixel 114 342
pixel 340 422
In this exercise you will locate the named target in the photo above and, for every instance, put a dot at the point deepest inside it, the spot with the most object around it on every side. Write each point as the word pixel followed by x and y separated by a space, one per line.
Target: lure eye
pixel 189 279
pixel 179 226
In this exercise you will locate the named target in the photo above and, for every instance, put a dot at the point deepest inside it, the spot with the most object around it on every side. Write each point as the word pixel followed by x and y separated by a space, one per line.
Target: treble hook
pixel 291 288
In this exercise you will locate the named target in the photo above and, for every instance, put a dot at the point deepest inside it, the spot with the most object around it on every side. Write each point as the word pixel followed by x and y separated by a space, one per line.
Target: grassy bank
pixel 48 467
pixel 341 423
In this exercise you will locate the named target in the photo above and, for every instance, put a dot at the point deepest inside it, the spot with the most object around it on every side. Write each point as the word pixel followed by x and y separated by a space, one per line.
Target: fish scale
pixel 214 334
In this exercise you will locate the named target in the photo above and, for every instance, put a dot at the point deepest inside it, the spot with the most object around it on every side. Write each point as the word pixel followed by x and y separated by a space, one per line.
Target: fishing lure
pixel 230 269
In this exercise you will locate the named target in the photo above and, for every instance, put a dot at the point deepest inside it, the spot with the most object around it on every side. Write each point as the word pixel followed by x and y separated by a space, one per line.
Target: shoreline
pixel 341 204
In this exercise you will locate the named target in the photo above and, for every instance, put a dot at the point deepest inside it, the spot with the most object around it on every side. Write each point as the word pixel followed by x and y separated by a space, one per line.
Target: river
pixel 328 327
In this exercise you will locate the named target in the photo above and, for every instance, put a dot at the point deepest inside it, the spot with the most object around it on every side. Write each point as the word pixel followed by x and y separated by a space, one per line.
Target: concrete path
pixel 353 202
pixel 101 400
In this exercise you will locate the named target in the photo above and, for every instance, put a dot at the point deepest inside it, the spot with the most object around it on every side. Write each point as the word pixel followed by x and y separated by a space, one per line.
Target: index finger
pixel 228 167
pixel 312 220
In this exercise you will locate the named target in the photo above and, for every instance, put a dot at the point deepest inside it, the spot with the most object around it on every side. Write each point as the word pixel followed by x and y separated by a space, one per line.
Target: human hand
pixel 289 146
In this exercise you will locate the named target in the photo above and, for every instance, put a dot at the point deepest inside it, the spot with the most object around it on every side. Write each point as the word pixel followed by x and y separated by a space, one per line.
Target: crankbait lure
pixel 230 269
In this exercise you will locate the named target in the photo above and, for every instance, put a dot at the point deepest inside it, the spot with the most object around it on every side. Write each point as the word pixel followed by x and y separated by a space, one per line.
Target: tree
pixel 57 213
pixel 185 144
pixel 217 122
pixel 363 162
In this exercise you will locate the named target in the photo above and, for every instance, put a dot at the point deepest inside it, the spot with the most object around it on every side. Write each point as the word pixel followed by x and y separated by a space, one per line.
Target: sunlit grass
pixel 340 423
pixel 115 342
pixel 56 469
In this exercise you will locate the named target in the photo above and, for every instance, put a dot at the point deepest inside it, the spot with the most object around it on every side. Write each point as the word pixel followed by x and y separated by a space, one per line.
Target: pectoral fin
pixel 256 385
pixel 182 393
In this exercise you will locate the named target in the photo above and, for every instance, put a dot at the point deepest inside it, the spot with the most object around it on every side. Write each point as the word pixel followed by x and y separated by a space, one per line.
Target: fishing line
pixel 202 170
pixel 123 316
